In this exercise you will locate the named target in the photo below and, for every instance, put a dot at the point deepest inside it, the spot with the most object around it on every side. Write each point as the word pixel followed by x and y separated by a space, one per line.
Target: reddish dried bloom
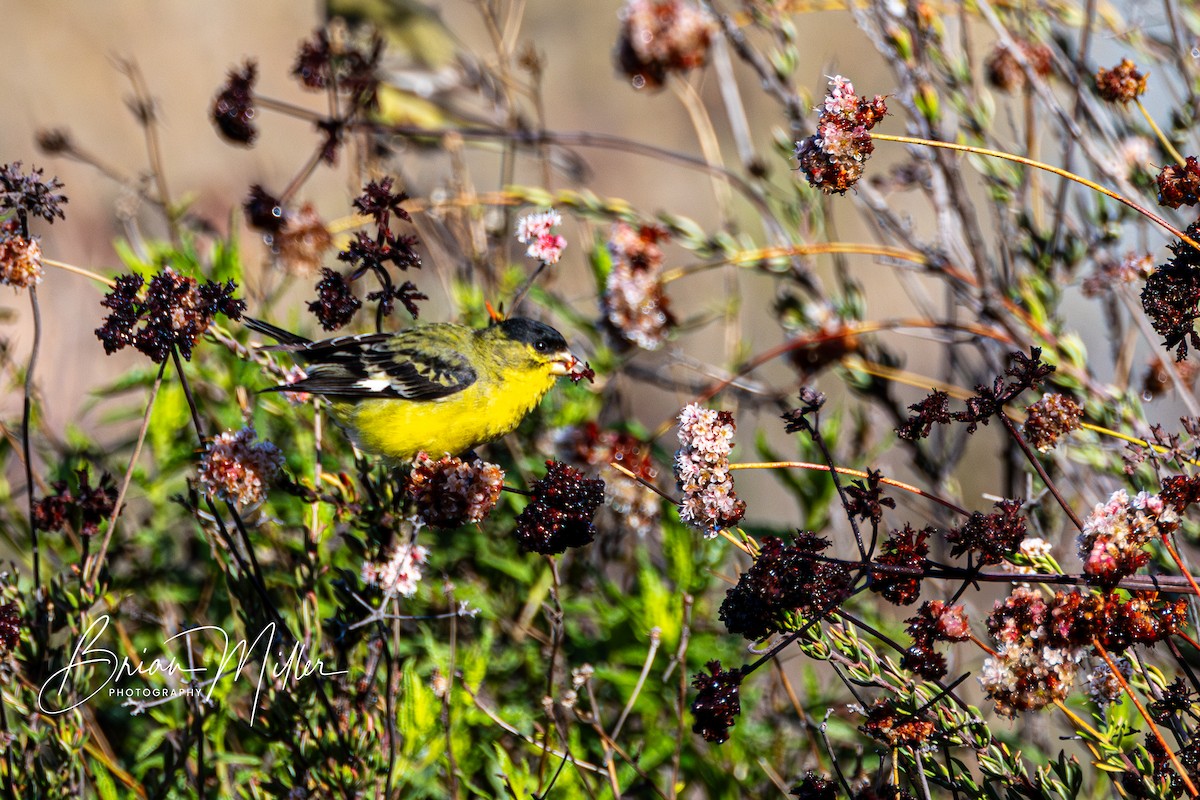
pixel 895 728
pixel 933 410
pixel 940 622
pixel 784 579
pixel 86 509
pixel 814 787
pixel 10 627
pixel 1171 295
pixel 1179 185
pixel 1158 379
pixel 635 507
pixel 20 257
pixel 174 312
pixel 560 513
pixel 1005 73
pixel 302 241
pixel 662 36
pixel 833 158
pixel 634 303
pixel 907 549
pixel 1112 543
pixel 27 195
pixel 1026 371
pixel 1121 84
pixel 233 109
pixel 702 470
pixel 866 500
pixel 1181 491
pixel 238 469
pixel 336 304
pixel 923 659
pixel 263 210
pixel 1028 672
pixel 450 492
pixel 1110 274
pixel 990 537
pixel 717 702
pixel 1053 416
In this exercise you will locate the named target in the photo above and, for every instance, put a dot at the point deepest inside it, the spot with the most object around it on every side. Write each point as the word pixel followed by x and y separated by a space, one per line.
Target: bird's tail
pixel 278 334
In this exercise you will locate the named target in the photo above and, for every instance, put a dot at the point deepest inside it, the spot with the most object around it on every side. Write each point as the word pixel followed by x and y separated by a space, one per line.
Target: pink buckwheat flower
pixel 1112 544
pixel 400 574
pixel 702 470
pixel 238 469
pixel 535 231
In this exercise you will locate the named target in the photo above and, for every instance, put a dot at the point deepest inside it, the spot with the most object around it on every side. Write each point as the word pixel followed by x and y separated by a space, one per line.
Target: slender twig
pixel 1162 137
pixel 1041 470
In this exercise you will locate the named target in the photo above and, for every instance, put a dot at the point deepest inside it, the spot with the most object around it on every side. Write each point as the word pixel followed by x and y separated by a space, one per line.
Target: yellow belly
pixel 482 412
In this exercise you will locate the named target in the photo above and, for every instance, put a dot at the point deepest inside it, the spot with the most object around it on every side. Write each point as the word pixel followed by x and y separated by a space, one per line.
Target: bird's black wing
pixel 380 365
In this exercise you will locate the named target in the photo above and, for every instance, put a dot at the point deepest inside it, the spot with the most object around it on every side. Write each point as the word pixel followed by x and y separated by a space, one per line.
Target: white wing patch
pixel 375 384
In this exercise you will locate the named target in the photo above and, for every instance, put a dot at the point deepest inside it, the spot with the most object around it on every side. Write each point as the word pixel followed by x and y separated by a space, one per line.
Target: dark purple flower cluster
pixel 904 550
pixel 560 513
pixel 935 621
pixel 717 701
pixel 990 538
pixel 173 312
pixel 353 70
pixel 10 627
pixel 814 787
pixel 86 509
pixel 336 304
pixel 233 110
pixel 1171 296
pixel 27 195
pixel 784 579
pixel 865 500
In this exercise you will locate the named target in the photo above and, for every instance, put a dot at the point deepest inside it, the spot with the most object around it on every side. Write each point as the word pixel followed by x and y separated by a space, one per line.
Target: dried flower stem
pixel 1166 540
pixel 87 273
pixel 1166 143
pixel 854 473
pixel 1187 781
pixel 983 151
pixel 1041 471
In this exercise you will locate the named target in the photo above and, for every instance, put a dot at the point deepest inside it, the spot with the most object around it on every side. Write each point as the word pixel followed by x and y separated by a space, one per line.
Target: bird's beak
pixel 564 363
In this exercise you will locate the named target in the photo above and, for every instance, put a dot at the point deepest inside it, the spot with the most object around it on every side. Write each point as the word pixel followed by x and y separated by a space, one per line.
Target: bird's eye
pixel 540 346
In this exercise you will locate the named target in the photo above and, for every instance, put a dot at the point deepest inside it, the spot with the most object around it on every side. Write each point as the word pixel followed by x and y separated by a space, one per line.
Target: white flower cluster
pixel 238 469
pixel 702 470
pixel 400 574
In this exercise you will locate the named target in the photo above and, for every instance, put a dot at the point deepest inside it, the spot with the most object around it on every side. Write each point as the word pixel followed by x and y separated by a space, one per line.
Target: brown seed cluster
pixel 833 158
pixel 20 257
pixel 634 304
pixel 1121 84
pixel 1179 185
pixel 85 509
pixel 637 508
pixel 1004 72
pixel 890 725
pixel 1051 418
pixel 450 493
pixel 990 538
pixel 904 550
pixel 659 37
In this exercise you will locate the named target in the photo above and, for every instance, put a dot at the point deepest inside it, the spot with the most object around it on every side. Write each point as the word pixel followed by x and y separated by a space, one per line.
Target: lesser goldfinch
pixel 437 388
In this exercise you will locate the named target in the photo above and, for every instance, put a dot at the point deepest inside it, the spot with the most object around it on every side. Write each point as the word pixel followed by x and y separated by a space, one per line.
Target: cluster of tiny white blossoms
pixel 450 492
pixel 1026 672
pixel 400 574
pixel 1101 682
pixel 702 470
pixel 238 469
pixel 535 231
pixel 1112 540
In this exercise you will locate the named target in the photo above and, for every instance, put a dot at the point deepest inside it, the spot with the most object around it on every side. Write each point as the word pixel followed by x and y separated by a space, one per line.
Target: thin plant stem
pixel 1041 471
pixel 983 151
pixel 87 273
pixel 26 444
pixel 1162 137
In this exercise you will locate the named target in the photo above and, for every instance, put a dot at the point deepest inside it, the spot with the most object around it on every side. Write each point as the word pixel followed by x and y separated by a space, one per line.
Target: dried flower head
pixel 662 36
pixel 904 550
pixel 174 311
pixel 27 195
pixel 536 230
pixel 1004 72
pixel 1110 274
pixel 939 622
pixel 302 241
pixel 634 303
pixel 353 68
pixel 933 410
pixel 990 538
pixel 336 304
pixel 635 507
pixel 233 109
pixel 866 500
pixel 1121 84
pixel 20 257
pixel 264 211
pixel 1179 185
pixel 717 702
pixel 888 724
pixel 702 470
pixel 10 627
pixel 238 469
pixel 559 514
pixel 1171 296
pixel 783 580
pixel 449 492
pixel 814 787
pixel 1050 418
pixel 1112 543
pixel 833 158
pixel 1101 683
pixel 85 509
pixel 399 574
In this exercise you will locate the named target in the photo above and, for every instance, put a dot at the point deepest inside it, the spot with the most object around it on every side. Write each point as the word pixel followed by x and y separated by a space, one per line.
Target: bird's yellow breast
pixel 485 410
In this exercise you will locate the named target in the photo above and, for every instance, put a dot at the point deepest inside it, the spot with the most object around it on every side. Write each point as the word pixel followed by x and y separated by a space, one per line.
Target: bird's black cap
pixel 538 334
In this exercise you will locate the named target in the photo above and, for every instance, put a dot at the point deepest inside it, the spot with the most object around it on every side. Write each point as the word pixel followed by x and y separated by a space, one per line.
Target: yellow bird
pixel 437 388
